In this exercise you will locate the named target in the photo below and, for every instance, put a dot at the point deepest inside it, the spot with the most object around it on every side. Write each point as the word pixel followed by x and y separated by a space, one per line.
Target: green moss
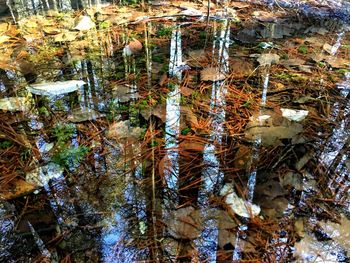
pixel 291 77
pixel 71 157
pixel 63 132
pixel 5 144
pixel 186 131
pixel 158 59
pixel 303 49
pixel 343 70
pixel 105 25
pixel 164 31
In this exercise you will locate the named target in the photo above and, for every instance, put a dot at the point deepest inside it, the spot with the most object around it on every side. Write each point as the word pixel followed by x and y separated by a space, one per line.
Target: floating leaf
pixel 212 74
pixel 55 88
pixel 272 130
pixel 125 93
pixel 237 204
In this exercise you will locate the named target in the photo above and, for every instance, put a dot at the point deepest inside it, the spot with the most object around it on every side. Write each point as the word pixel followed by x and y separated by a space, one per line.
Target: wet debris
pixel 238 205
pixel 125 93
pixel 55 88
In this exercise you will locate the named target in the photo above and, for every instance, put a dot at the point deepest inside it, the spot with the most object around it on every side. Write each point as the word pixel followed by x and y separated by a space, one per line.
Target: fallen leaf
pixel 268 59
pixel 294 115
pixel 264 16
pixel 17 188
pixel 328 48
pixel 14 104
pixel 65 36
pixel 212 74
pixel 55 88
pixel 238 5
pixel 186 91
pixel 83 114
pixel 132 48
pixel 84 23
pixel 42 175
pixel 238 205
pixel 240 68
pixel 185 223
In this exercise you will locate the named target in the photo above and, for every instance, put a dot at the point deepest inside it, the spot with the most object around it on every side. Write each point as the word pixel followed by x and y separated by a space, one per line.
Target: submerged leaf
pixel 55 88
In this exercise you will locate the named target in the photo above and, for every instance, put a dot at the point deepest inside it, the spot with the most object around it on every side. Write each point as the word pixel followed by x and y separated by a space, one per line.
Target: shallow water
pixel 131 166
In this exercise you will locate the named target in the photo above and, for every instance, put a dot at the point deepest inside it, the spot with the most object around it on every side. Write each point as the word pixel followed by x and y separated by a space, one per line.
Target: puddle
pixel 130 136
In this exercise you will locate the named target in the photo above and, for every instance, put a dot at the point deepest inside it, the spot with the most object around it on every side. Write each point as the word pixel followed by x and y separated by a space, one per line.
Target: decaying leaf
pixel 186 91
pixel 294 115
pixel 212 74
pixel 159 111
pixel 124 93
pixel 264 16
pixel 240 68
pixel 65 36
